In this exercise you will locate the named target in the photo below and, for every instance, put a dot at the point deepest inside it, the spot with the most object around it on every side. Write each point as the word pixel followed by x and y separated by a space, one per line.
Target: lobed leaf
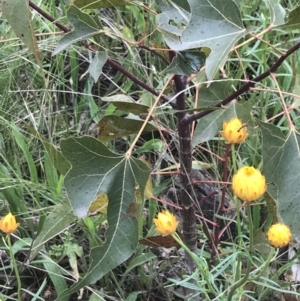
pixel 96 169
pixel 219 32
pixel 281 158
pixel 85 26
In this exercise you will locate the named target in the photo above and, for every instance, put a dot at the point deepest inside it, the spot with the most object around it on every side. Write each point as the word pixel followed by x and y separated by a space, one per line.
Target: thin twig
pixel 246 87
pixel 110 61
pixel 286 111
pixel 221 208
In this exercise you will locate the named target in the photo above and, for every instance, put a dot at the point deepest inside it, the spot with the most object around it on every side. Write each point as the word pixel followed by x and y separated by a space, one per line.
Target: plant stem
pixel 221 209
pixel 246 276
pixel 15 267
pixel 201 269
pixel 246 87
pixel 110 61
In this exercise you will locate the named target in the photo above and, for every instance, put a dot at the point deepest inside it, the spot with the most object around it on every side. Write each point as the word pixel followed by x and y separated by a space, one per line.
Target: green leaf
pixel 56 157
pixel 90 4
pixel 186 63
pixel 96 64
pixel 277 12
pixel 296 90
pixel 18 15
pixel 94 297
pixel 24 147
pixel 56 277
pixel 58 220
pixel 151 145
pixel 112 127
pixel 281 158
pixel 132 296
pixel 136 262
pixel 260 242
pixel 293 21
pixel 177 10
pixel 84 27
pixel 220 31
pixel 51 173
pixel 215 93
pixel 96 169
pixel 126 104
pixel 210 125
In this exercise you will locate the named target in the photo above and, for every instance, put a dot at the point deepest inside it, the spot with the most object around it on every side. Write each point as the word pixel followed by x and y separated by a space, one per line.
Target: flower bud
pixel 8 223
pixel 248 184
pixel 279 235
pixel 166 223
pixel 234 131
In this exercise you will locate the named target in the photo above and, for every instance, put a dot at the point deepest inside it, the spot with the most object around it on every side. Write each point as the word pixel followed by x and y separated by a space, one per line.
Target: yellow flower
pixel 248 184
pixel 234 131
pixel 279 235
pixel 8 223
pixel 166 223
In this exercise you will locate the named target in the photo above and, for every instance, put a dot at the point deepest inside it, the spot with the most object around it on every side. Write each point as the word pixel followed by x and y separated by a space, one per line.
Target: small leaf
pixel 19 138
pixel 215 93
pixel 272 205
pixel 260 242
pixel 56 157
pixel 137 261
pixel 99 204
pixel 134 210
pixel 160 241
pixel 58 220
pixel 195 165
pixel 293 21
pixel 151 145
pixel 148 191
pixel 186 63
pixel 95 297
pixel 84 27
pixel 112 127
pixel 126 104
pixel 97 64
pixel 18 15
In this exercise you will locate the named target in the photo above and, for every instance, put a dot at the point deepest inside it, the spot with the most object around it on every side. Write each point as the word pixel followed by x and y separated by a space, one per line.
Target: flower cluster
pixel 8 224
pixel 248 184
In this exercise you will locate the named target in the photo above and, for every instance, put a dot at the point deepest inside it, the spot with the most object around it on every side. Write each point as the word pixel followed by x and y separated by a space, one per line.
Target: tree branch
pixel 246 87
pixel 113 63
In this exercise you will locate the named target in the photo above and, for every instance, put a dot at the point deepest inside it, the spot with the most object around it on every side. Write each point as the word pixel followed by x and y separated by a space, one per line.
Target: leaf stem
pixel 243 280
pixel 246 87
pixel 201 269
pixel 15 267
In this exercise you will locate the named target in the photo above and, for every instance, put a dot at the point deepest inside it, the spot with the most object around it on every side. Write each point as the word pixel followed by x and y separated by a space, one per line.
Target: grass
pixel 36 116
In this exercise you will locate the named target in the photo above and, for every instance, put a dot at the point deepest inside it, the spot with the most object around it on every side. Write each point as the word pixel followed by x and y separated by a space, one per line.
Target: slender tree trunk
pixel 186 197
